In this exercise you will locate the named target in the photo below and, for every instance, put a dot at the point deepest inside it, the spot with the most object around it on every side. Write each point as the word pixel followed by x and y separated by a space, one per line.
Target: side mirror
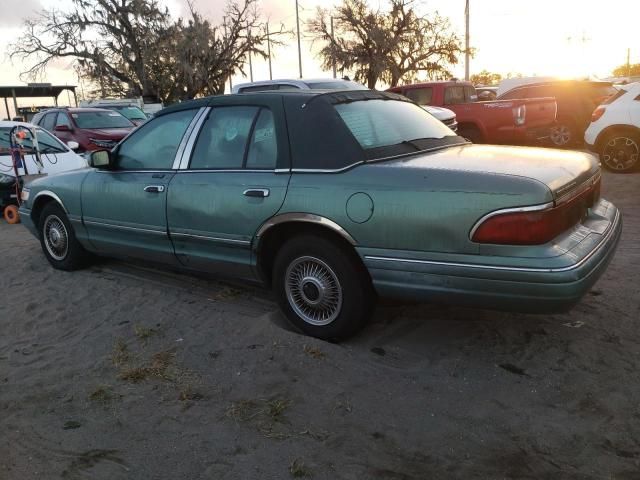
pixel 73 145
pixel 62 128
pixel 100 159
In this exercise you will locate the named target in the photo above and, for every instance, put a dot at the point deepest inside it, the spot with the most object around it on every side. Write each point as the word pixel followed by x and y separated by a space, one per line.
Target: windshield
pixel 101 119
pixel 377 124
pixel 131 112
pixel 336 85
pixel 47 142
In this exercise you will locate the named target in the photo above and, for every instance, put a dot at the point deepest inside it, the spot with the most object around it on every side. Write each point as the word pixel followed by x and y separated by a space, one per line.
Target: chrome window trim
pixel 185 137
pixel 226 170
pixel 188 149
pixel 49 193
pixel 305 217
pixel 212 239
pixel 122 227
pixel 603 241
pixel 532 208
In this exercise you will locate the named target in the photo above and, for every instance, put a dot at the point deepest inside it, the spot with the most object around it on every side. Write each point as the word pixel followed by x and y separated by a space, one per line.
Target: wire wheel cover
pixel 56 238
pixel 313 290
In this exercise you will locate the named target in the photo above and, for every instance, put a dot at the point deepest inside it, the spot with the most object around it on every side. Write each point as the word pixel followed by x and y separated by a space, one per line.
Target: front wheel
pixel 58 240
pixel 322 288
pixel 620 152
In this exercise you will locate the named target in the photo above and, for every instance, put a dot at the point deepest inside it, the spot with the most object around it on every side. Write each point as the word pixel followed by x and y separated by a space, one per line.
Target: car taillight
pixel 597 113
pixel 519 114
pixel 535 225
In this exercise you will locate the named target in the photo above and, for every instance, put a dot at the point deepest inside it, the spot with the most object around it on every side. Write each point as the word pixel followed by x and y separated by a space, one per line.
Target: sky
pixel 566 38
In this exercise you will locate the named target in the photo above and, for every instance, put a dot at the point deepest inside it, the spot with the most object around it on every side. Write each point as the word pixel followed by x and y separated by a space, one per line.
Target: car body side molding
pixel 307 218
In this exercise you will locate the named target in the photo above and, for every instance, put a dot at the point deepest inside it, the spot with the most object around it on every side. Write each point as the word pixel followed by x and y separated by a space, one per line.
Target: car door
pixel 236 178
pixel 63 128
pixel 124 208
pixel 634 109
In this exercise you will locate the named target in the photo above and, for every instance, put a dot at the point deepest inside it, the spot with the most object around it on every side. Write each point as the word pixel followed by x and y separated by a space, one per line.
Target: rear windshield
pixel 106 119
pixel 131 112
pixel 377 124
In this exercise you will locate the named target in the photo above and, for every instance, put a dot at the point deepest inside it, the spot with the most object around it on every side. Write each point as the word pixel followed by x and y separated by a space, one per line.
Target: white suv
pixel 614 132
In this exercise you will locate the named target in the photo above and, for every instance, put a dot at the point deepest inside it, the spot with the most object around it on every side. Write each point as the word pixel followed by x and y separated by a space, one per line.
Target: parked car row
pixel 336 198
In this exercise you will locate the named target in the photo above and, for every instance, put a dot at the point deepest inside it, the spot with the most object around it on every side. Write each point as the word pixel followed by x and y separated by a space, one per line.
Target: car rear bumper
pixel 539 289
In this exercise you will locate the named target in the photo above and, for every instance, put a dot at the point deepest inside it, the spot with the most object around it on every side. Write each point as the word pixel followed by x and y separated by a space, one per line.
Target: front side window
pixel 49 121
pixel 63 119
pixel 384 123
pixel 222 141
pixel 155 144
pixel 101 119
pixel 422 96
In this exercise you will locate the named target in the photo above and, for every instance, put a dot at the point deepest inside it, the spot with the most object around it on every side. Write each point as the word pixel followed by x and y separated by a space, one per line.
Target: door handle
pixel 154 188
pixel 256 192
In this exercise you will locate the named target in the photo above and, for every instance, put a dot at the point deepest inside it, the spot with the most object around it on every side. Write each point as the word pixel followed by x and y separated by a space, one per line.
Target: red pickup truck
pixel 511 122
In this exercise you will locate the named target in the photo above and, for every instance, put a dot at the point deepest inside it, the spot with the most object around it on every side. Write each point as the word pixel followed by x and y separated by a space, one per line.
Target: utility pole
pixel 299 49
pixel 466 41
pixel 333 50
pixel 628 62
pixel 269 52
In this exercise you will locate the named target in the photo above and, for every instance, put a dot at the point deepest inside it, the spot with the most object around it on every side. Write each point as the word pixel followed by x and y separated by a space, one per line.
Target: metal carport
pixel 33 90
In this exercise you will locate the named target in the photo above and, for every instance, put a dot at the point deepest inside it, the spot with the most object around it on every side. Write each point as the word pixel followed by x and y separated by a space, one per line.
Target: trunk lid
pixel 561 171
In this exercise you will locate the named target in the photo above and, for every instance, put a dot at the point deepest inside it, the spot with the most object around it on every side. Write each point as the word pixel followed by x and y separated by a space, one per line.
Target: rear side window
pixel 422 96
pixel 259 88
pixel 263 147
pixel 454 95
pixel 470 94
pixel 222 141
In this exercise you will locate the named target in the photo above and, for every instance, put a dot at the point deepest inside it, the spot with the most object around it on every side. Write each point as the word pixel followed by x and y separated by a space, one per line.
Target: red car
pixel 511 122
pixel 92 128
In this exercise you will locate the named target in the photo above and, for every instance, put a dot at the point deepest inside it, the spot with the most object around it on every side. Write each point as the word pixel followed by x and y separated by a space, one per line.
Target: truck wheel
pixel 322 289
pixel 620 151
pixel 58 240
pixel 11 215
pixel 563 133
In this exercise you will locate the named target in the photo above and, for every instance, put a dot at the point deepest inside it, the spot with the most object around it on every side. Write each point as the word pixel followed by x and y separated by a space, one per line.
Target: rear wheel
pixel 563 133
pixel 620 151
pixel 58 240
pixel 322 289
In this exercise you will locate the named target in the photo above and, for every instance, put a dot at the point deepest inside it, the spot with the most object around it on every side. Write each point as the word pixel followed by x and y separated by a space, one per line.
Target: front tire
pixel 58 240
pixel 620 151
pixel 322 288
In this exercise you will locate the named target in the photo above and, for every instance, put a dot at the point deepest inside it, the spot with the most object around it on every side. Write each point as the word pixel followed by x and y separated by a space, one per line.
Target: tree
pixel 391 46
pixel 134 47
pixel 633 70
pixel 486 78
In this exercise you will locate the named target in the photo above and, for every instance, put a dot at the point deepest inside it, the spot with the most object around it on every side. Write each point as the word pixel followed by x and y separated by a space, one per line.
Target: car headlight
pixel 7 179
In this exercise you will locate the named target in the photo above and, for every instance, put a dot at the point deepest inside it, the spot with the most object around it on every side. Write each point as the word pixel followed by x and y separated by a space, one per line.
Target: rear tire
pixel 58 240
pixel 620 151
pixel 321 288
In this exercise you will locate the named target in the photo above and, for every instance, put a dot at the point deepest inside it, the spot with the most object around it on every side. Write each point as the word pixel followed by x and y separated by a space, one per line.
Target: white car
pixel 446 116
pixel 55 156
pixel 614 132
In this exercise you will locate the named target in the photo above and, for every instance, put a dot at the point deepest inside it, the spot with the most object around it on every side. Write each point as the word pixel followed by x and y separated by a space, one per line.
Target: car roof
pixel 12 123
pixel 302 95
pixel 303 83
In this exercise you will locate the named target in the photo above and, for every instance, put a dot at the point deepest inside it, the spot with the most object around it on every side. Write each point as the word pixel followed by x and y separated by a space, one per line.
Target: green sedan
pixel 334 199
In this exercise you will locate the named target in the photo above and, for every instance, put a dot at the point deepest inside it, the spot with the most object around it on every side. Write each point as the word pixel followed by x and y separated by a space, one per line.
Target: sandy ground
pixel 124 372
